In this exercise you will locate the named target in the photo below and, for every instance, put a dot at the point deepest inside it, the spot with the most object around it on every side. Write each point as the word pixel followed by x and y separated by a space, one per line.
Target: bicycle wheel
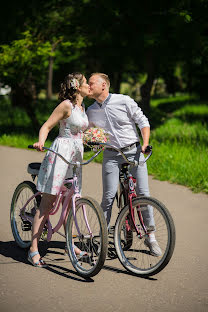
pixel 137 259
pixel 90 235
pixel 22 228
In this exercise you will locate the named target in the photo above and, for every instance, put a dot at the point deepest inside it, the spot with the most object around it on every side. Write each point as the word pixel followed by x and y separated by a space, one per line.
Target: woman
pixel 73 121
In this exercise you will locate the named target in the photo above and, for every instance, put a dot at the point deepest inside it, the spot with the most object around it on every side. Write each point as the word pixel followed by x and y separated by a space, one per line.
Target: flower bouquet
pixel 96 135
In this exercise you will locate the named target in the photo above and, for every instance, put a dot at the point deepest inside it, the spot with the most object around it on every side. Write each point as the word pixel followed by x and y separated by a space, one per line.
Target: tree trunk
pixel 146 88
pixel 50 78
pixel 50 70
pixel 24 95
pixel 116 81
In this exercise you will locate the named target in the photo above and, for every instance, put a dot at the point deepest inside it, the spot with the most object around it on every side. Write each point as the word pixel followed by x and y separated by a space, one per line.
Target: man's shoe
pixel 153 247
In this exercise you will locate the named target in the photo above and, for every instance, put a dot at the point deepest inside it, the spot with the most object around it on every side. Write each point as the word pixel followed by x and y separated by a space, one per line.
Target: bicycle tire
pixel 95 245
pixel 138 259
pixel 22 229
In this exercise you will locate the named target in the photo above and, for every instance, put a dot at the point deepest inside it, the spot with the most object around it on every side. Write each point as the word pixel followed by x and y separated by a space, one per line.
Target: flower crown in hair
pixel 74 83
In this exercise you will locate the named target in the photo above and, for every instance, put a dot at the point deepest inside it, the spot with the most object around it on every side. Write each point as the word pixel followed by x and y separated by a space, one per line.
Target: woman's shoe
pixel 38 264
pixel 79 254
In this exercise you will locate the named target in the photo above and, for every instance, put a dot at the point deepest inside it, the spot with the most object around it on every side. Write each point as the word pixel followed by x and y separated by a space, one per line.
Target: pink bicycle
pixel 85 228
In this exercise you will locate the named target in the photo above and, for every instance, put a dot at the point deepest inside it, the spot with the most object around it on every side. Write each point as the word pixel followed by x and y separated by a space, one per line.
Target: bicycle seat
pixel 33 168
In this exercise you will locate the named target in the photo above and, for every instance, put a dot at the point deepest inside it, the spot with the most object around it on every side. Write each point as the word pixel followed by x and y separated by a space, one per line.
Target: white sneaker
pixel 153 247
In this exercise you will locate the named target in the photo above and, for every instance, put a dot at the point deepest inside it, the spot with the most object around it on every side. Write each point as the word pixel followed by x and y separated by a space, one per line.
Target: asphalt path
pixel 181 286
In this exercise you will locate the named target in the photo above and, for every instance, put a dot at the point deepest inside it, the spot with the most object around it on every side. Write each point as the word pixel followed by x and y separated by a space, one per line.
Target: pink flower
pixel 50 159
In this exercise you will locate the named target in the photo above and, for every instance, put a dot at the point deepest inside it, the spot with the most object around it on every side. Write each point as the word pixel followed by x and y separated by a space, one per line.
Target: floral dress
pixel 69 144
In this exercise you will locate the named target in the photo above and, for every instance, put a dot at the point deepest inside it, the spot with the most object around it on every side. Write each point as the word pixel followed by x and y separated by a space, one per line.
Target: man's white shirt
pixel 118 115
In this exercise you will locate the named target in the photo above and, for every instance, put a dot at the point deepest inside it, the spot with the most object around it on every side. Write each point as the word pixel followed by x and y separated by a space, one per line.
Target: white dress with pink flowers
pixel 69 144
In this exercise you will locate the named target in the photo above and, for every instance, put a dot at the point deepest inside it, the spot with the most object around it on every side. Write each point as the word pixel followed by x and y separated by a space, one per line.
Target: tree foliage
pixel 44 40
pixel 25 57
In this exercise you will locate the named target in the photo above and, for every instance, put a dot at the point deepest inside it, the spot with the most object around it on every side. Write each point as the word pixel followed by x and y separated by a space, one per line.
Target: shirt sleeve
pixel 136 113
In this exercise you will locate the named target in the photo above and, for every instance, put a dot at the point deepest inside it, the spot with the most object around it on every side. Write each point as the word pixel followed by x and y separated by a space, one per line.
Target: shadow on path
pixel 11 250
pixel 116 270
pixel 113 255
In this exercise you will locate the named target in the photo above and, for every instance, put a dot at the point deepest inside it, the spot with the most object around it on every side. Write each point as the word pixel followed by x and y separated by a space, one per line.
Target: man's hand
pixel 146 148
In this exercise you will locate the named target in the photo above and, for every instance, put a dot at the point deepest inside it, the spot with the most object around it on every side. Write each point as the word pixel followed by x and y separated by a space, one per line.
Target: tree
pixel 32 57
pixel 23 64
pixel 151 38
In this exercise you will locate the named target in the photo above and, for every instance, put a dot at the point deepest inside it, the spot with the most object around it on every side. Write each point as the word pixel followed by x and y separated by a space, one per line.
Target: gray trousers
pixel 112 162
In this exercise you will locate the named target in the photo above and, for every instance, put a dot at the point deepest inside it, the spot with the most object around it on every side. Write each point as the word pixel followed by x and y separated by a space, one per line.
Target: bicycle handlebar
pixel 132 163
pixel 105 145
pixel 78 164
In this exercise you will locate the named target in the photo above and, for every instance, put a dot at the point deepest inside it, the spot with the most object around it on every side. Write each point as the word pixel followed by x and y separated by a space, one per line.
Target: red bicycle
pixel 130 230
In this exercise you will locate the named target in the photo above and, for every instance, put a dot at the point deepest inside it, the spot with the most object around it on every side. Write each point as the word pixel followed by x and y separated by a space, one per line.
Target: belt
pixel 126 148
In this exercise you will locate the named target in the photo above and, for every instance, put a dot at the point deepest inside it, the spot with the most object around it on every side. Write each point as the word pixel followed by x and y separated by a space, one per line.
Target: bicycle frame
pixel 129 193
pixel 69 194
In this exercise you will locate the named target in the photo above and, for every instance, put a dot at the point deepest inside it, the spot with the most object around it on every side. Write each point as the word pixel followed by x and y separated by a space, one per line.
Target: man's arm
pixel 136 113
pixel 145 136
pixel 140 119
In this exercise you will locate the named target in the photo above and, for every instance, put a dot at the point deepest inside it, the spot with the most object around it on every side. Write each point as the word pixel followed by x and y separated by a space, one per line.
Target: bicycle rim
pixel 21 221
pixel 138 259
pixel 90 236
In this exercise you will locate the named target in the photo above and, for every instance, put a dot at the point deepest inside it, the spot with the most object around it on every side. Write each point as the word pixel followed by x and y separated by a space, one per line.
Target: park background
pixel 154 51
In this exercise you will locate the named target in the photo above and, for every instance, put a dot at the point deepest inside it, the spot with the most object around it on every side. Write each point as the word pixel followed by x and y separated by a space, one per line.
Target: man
pixel 118 114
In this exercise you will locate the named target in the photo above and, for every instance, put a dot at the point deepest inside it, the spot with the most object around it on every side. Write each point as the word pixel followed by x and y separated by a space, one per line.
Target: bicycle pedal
pixel 26 225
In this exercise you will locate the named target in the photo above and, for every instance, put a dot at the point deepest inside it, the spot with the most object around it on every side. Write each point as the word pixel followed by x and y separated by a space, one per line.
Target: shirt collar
pixel 105 101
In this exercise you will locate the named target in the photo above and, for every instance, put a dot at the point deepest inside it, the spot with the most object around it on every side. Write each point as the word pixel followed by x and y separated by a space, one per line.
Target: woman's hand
pixel 38 146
